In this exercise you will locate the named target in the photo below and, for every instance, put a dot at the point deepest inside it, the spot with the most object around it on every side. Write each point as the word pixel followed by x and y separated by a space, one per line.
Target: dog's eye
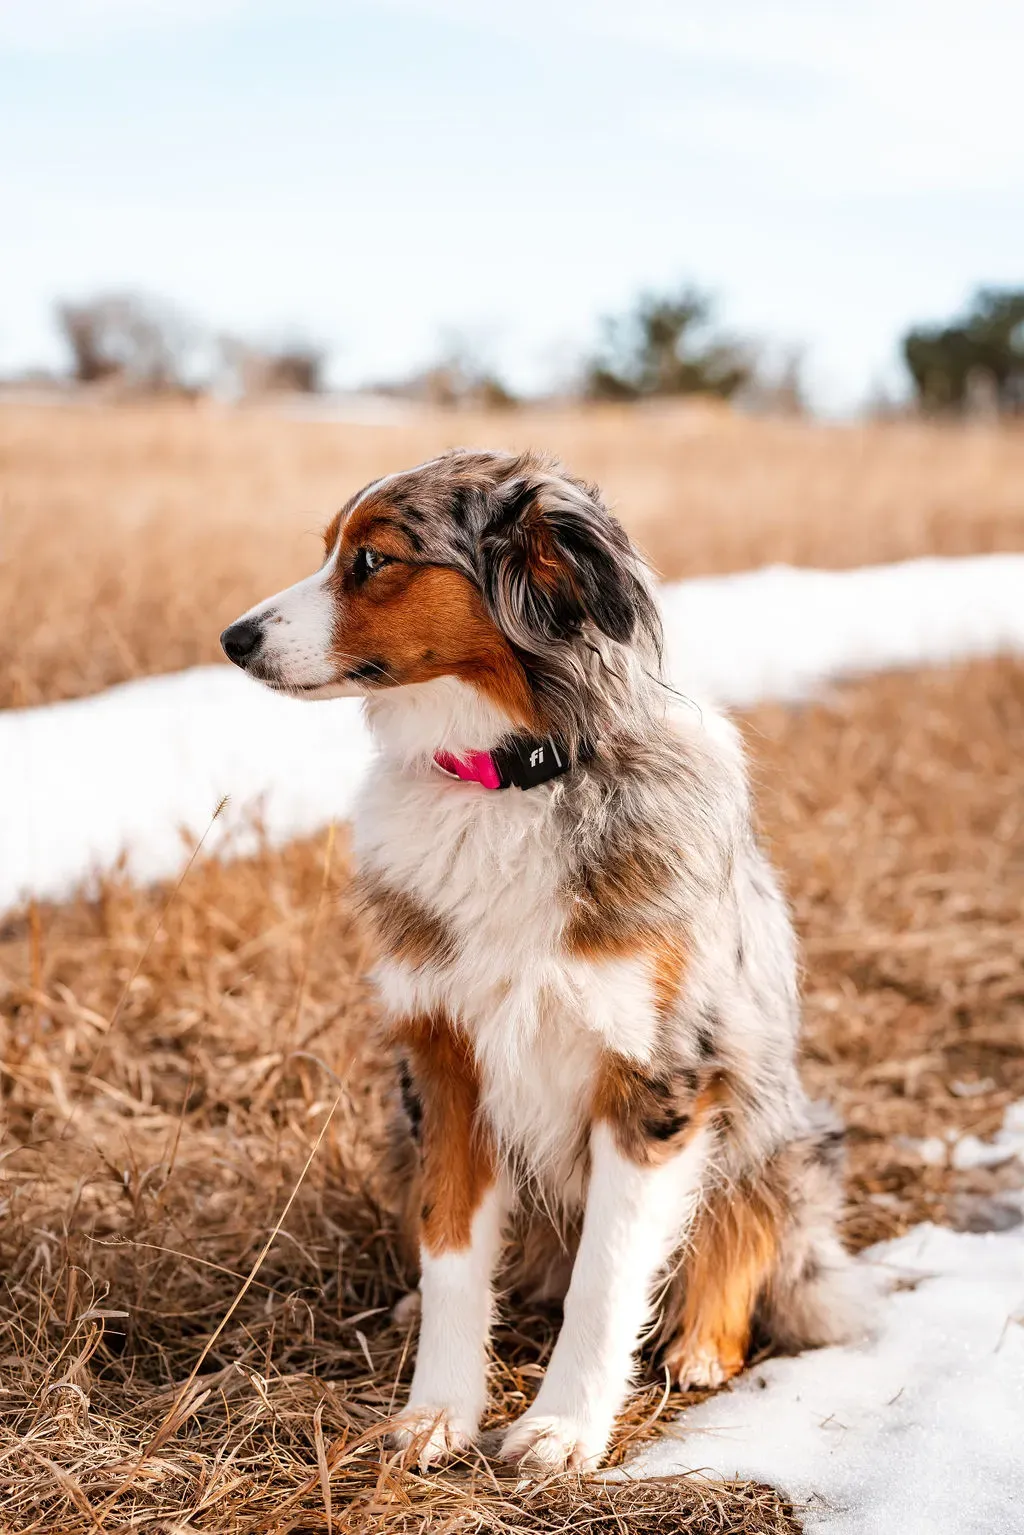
pixel 367 561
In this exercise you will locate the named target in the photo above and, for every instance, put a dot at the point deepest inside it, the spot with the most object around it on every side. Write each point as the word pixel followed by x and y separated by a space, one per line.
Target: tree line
pixel 975 361
pixel 667 344
pixel 145 345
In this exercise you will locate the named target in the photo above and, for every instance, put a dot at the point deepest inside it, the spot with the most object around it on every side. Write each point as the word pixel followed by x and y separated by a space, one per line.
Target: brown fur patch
pixel 612 910
pixel 728 1262
pixel 668 966
pixel 653 1114
pixel 457 1161
pixel 405 929
pixel 546 568
pixel 413 622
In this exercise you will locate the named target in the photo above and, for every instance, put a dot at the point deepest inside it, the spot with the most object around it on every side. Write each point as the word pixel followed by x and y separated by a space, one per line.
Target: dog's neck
pixel 411 723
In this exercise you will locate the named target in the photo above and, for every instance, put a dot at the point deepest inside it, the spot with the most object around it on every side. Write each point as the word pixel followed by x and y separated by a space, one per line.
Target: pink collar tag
pixel 474 767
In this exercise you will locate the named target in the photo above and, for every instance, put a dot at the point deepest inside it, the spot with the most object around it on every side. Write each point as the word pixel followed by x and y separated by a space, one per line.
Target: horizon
pixel 381 178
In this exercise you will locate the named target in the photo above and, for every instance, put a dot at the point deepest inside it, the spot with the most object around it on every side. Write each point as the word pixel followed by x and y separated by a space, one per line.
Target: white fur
pixel 414 722
pixel 635 1217
pixel 449 1383
pixel 487 864
pixel 298 624
pixel 619 1001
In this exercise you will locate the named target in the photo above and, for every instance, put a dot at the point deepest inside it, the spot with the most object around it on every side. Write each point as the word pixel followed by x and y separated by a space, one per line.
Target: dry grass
pixel 146 1166
pixel 131 536
pixel 147 1160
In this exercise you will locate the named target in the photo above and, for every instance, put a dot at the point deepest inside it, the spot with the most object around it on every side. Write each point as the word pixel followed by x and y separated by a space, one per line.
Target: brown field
pixel 172 1056
pixel 130 537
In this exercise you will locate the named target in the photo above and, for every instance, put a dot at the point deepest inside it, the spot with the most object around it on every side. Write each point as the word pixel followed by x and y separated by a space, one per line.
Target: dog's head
pixel 497 570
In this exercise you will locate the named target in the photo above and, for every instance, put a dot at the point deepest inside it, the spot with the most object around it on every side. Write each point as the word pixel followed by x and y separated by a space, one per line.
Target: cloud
pixel 893 94
pixel 886 95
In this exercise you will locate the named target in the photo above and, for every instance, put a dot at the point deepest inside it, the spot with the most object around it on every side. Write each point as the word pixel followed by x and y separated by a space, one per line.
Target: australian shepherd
pixel 587 974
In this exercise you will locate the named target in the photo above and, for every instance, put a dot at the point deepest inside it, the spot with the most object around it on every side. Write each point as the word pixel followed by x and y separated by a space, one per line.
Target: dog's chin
pixel 312 692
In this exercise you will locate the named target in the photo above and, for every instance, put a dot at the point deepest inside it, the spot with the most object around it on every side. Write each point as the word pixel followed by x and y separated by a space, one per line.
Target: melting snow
pixel 139 769
pixel 1007 1143
pixel 919 1430
pixel 779 633
pixel 964 1152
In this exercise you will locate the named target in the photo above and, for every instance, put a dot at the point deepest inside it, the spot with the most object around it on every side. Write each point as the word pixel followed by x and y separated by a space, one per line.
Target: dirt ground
pixel 189 1075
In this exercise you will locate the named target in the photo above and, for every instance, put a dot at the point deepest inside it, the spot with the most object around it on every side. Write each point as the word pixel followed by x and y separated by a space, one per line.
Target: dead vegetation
pixel 129 537
pixel 190 1083
pixel 148 1161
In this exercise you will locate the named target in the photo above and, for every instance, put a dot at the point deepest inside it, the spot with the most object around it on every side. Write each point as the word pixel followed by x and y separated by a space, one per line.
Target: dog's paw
pixel 542 1443
pixel 407 1310
pixel 429 1435
pixel 697 1368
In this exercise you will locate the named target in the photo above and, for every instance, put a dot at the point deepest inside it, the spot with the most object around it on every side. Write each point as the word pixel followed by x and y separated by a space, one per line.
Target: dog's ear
pixel 554 558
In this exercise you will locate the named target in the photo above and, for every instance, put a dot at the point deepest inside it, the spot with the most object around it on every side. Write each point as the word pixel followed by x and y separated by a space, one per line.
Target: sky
pixel 387 176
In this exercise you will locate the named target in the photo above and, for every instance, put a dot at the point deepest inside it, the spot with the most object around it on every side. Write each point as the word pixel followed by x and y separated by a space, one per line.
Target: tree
pixel 126 337
pixel 984 351
pixel 297 369
pixel 249 368
pixel 666 346
pixel 461 378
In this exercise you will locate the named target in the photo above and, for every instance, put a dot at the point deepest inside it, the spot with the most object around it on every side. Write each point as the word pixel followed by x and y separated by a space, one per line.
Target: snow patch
pixel 138 770
pixel 779 633
pixel 964 1152
pixel 918 1430
pixel 1007 1143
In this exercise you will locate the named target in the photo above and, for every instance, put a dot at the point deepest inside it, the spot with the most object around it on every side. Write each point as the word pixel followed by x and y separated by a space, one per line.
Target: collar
pixel 521 760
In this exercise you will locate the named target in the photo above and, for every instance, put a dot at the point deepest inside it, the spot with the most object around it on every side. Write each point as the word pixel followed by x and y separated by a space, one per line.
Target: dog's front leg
pixel 464 1202
pixel 637 1211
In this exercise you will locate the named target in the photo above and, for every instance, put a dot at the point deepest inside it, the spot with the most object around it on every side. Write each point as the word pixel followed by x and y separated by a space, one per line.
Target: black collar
pixel 527 761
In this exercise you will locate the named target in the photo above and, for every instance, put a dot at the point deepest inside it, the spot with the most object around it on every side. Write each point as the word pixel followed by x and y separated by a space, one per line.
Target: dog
pixel 588 972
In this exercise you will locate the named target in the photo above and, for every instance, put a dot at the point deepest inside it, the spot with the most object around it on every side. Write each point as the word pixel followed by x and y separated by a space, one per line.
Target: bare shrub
pixel 461 379
pixel 250 369
pixel 137 341
pixel 776 384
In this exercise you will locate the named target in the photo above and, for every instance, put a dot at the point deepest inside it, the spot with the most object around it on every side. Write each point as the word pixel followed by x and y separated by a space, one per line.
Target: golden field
pixel 131 536
pixel 172 1056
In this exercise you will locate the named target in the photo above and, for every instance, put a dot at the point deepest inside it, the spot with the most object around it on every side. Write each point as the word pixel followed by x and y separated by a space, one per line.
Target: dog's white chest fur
pixel 484 863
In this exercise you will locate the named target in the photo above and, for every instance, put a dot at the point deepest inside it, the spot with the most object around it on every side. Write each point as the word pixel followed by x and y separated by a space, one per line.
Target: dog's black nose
pixel 242 640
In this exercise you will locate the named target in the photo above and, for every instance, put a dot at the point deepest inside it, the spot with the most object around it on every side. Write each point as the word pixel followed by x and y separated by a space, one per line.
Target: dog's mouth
pixel 362 677
pixel 344 685
pixel 276 685
pixel 302 689
pixel 373 670
pixel 270 677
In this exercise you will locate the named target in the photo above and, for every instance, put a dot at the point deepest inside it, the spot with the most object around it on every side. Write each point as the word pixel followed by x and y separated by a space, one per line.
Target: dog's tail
pixel 814 1294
